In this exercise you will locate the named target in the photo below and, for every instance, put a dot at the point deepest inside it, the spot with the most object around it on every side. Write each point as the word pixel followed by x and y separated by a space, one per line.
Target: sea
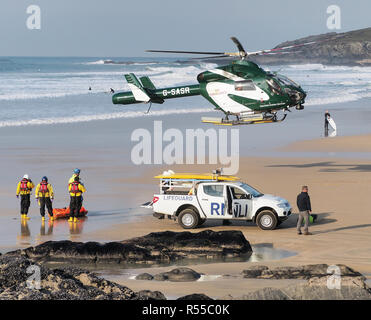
pixel 51 90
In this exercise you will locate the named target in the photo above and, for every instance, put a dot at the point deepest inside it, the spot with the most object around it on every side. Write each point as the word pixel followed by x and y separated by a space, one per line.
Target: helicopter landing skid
pixel 242 121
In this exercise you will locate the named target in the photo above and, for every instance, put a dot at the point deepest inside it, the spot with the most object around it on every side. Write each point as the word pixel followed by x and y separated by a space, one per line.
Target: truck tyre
pixel 188 219
pixel 266 220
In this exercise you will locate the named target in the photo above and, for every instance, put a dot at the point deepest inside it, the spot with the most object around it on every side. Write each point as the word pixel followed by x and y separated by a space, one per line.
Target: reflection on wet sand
pixel 49 230
pixel 45 232
pixel 76 228
pixel 25 236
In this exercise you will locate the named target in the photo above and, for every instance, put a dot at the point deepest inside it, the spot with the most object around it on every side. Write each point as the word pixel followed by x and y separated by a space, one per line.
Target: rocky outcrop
pixel 348 48
pixel 261 294
pixel 150 295
pixel 157 247
pixel 351 48
pixel 195 296
pixel 351 288
pixel 144 276
pixel 318 286
pixel 300 272
pixel 59 284
pixel 178 275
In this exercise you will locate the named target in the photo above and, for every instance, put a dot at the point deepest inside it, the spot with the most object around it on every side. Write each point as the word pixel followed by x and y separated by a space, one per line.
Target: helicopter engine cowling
pixel 208 76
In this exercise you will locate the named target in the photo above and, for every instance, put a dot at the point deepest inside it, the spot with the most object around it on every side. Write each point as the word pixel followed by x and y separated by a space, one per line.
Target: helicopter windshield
pixel 286 81
pixel 273 85
pixel 244 85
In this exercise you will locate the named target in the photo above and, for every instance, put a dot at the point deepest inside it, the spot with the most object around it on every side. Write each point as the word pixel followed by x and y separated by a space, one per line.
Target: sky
pixel 121 28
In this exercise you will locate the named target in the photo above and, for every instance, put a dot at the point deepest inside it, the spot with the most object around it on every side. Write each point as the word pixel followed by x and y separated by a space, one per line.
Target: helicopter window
pixel 244 85
pixel 274 86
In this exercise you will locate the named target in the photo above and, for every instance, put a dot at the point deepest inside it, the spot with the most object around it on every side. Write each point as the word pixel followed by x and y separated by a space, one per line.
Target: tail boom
pixel 154 95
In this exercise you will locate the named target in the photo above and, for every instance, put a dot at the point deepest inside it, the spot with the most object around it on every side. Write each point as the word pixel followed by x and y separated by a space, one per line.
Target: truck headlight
pixel 283 205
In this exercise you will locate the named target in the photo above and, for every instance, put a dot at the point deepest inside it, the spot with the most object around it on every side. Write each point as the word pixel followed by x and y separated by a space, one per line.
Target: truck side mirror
pixel 249 196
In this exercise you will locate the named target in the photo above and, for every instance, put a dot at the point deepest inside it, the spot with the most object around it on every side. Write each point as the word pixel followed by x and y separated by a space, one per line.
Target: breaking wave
pixel 95 117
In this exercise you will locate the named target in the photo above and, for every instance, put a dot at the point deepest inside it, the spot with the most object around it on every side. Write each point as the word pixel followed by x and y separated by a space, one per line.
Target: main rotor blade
pixel 238 44
pixel 279 49
pixel 212 57
pixel 278 52
pixel 187 52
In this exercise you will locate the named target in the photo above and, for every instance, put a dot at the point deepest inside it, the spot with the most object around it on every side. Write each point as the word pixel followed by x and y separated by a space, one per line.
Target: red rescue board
pixel 64 213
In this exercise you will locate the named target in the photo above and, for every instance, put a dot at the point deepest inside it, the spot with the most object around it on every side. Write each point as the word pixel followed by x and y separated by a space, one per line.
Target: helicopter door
pixel 241 203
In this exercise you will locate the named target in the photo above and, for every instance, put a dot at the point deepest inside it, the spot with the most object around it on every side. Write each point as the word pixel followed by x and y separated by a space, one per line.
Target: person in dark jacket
pixel 305 208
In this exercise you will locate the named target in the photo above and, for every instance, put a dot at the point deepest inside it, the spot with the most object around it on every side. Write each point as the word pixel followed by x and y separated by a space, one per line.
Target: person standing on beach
pixel 327 116
pixel 305 208
pixel 76 190
pixel 44 194
pixel 24 189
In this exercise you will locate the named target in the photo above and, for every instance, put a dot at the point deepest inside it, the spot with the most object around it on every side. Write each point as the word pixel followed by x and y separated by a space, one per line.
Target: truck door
pixel 211 199
pixel 240 203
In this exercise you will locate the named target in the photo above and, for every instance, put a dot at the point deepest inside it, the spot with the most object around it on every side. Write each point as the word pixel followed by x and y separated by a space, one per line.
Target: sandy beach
pixel 342 234
pixel 337 171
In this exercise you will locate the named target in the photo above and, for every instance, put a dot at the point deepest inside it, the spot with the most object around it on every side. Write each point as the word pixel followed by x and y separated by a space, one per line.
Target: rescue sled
pixel 64 213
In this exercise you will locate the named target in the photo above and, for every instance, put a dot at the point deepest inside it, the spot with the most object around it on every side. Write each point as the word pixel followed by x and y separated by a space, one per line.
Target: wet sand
pixel 358 144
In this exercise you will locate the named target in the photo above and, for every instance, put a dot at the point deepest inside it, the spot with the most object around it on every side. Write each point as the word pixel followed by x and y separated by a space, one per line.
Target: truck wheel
pixel 188 219
pixel 266 220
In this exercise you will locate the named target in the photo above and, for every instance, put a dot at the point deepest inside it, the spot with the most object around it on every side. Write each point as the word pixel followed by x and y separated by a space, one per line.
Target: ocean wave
pixel 33 96
pixel 341 98
pixel 108 61
pixel 96 117
pixel 322 67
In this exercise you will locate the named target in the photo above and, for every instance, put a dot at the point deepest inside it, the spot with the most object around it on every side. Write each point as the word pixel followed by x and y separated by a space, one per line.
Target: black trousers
pixel 25 203
pixel 46 202
pixel 75 206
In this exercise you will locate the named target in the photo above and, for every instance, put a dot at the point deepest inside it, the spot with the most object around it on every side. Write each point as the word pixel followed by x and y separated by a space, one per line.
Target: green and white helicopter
pixel 241 90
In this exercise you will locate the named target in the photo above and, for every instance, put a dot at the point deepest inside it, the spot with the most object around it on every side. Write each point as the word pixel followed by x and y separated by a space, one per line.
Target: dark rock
pixel 159 277
pixel 178 275
pixel 265 294
pixel 58 284
pixel 153 248
pixel 300 272
pixel 254 271
pixel 195 296
pixel 144 276
pixel 351 288
pixel 150 295
pixel 351 283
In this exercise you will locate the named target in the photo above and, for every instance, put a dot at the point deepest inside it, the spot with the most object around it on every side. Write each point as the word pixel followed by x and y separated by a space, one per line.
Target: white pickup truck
pixel 193 199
